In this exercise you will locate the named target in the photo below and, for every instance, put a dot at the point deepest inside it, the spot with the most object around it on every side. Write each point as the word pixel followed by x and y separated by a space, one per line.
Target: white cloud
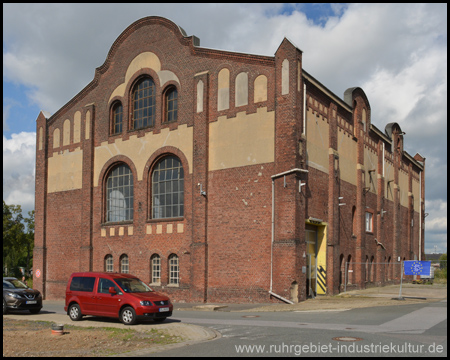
pixel 396 52
pixel 19 170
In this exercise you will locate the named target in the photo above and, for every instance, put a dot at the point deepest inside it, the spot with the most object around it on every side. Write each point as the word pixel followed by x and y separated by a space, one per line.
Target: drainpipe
pixel 420 216
pixel 273 228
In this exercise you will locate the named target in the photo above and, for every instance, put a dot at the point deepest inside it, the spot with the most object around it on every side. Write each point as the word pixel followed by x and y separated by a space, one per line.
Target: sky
pixel 397 53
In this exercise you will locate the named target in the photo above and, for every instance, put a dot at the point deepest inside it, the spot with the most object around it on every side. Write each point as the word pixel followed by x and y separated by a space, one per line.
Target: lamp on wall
pixel 201 190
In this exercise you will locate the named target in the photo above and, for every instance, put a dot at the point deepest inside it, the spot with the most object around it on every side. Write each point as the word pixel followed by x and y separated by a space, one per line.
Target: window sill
pixel 173 285
pixel 118 223
pixel 153 221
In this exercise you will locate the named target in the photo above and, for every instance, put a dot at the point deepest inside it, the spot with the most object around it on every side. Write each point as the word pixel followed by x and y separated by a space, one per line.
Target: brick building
pixel 220 176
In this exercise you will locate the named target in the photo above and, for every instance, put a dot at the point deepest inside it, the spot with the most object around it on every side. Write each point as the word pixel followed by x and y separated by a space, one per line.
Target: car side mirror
pixel 112 290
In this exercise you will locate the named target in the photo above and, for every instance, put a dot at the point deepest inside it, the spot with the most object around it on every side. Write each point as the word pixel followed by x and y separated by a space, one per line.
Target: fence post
pixel 401 282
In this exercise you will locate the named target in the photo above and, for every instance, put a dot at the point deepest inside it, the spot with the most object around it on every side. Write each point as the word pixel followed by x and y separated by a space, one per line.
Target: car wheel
pixel 5 310
pixel 128 316
pixel 35 311
pixel 75 312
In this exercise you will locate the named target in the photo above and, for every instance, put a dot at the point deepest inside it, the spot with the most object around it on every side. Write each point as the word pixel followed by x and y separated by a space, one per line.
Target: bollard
pixel 57 329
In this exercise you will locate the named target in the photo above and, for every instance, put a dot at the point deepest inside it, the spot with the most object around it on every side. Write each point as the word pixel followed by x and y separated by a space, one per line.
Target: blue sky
pixel 396 52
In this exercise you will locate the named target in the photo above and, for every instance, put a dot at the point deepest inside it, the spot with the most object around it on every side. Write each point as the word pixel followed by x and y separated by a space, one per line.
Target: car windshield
pixel 133 285
pixel 14 284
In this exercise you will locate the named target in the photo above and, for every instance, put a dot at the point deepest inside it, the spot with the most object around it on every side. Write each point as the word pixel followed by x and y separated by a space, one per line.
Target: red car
pixel 114 295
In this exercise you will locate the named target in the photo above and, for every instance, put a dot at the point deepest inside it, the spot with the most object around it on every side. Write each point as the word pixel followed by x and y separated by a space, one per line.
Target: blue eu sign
pixel 417 267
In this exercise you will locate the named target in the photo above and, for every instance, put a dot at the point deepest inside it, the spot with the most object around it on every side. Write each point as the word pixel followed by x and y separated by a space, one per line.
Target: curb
pixel 189 333
pixel 209 334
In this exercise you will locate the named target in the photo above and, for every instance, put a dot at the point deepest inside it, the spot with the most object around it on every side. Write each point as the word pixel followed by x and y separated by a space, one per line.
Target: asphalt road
pixel 410 330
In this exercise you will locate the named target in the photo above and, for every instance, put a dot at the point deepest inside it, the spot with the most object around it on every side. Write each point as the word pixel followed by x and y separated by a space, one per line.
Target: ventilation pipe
pixel 274 177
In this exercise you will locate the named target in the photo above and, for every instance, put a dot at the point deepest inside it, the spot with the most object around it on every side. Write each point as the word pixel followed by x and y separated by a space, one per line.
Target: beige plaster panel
pixel 41 131
pixel 347 150
pixel 388 176
pixel 403 184
pixel 285 77
pixel 241 91
pixel 144 60
pixel 317 142
pixel 65 171
pixel 260 89
pixel 242 141
pixel 371 163
pixel 416 194
pixel 223 95
pixel 200 87
pixel 66 132
pixel 87 125
pixel 56 138
pixel 77 127
pixel 140 149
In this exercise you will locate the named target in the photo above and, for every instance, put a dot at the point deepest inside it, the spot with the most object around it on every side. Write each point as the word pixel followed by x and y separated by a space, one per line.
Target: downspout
pixel 420 216
pixel 273 229
pixel 304 109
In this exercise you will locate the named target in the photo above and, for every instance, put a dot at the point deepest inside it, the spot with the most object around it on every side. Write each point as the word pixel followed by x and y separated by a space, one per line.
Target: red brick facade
pixel 227 247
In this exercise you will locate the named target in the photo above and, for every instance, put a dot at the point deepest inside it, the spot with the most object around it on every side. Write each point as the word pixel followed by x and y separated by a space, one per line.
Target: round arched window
pixel 168 189
pixel 119 194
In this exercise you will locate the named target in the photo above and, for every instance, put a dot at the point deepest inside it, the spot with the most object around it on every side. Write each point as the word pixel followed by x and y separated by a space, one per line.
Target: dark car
pixel 18 296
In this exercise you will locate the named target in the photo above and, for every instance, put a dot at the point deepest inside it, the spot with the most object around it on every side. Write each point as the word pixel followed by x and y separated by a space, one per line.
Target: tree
pixel 17 242
pixel 29 239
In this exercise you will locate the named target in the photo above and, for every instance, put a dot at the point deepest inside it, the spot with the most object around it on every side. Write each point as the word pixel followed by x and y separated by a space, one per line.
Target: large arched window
pixel 143 101
pixel 116 118
pixel 119 194
pixel 168 189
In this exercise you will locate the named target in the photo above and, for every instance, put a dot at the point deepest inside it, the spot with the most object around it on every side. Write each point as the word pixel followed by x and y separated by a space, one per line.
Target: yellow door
pixel 316 259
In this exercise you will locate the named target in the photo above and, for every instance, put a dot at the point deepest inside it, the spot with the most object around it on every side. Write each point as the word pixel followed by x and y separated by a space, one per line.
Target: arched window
pixel 109 265
pixel 155 266
pixel 174 270
pixel 168 189
pixel 119 194
pixel 124 264
pixel 349 270
pixel 143 103
pixel 116 118
pixel 171 104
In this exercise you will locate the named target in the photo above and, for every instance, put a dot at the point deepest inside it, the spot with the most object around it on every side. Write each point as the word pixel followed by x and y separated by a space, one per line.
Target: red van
pixel 115 295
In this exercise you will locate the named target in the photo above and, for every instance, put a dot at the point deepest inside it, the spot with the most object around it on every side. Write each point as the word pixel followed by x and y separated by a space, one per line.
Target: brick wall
pixel 224 240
